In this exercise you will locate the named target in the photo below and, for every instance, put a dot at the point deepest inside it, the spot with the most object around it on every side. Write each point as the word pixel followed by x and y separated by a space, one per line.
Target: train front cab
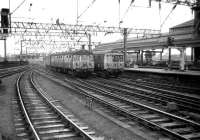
pixel 109 64
pixel 83 65
pixel 114 63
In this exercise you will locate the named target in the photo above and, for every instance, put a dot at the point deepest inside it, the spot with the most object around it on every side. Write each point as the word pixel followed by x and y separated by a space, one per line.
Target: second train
pixel 83 63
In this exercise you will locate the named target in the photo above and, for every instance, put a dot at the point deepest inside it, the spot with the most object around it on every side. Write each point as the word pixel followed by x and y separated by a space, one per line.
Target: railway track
pixel 163 84
pixel 185 101
pixel 168 124
pixel 40 117
pixel 9 71
pixel 159 98
pixel 188 107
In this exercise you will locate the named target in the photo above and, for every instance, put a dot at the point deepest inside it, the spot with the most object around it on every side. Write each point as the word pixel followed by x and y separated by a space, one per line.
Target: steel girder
pixel 74 29
pixel 57 43
pixel 190 3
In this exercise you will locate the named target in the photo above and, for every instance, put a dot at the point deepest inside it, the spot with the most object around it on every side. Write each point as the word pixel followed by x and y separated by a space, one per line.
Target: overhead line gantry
pixel 190 3
pixel 67 31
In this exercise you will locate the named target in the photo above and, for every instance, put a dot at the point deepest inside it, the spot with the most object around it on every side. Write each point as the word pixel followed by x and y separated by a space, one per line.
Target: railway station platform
pixel 165 71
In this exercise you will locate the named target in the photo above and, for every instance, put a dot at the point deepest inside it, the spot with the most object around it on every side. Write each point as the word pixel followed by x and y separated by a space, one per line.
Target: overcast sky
pixel 102 12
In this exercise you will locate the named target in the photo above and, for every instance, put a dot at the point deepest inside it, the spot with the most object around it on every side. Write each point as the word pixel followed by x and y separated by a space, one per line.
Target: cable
pixel 132 1
pixel 168 15
pixel 86 8
pixel 119 13
pixel 131 5
pixel 18 6
pixel 160 18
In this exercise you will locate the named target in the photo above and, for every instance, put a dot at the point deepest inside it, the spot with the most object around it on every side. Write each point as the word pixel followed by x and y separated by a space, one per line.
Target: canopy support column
pixel 125 34
pixel 182 62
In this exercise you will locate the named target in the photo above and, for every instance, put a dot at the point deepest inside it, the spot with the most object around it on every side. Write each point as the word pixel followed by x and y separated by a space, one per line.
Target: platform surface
pixel 164 71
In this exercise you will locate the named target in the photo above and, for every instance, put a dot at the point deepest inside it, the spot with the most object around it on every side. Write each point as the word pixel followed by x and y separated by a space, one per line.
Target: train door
pixel 107 61
pixel 91 61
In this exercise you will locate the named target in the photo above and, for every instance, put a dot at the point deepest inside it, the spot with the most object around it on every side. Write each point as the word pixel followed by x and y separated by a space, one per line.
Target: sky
pixel 101 12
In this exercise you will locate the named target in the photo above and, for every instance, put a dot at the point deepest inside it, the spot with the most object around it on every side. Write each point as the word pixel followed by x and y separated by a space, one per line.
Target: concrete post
pixel 137 58
pixel 90 49
pixel 26 55
pixel 196 30
pixel 125 34
pixel 182 61
pixel 169 58
pixel 192 53
pixel 142 57
pixel 160 56
pixel 197 19
pixel 21 52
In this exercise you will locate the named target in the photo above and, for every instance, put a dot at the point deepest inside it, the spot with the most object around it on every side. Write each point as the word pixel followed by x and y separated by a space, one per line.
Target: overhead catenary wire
pixel 93 1
pixel 131 5
pixel 18 7
pixel 159 12
pixel 119 12
pixel 173 8
pixel 132 1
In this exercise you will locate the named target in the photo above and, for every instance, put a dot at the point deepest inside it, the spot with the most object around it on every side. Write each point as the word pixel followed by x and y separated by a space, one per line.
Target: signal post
pixel 5 25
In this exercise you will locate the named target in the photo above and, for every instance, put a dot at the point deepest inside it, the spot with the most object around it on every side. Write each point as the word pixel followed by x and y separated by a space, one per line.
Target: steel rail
pixel 8 72
pixel 194 124
pixel 168 86
pixel 10 68
pixel 137 103
pixel 36 137
pixel 90 86
pixel 80 89
pixel 170 95
pixel 132 115
pixel 185 103
pixel 160 83
pixel 65 118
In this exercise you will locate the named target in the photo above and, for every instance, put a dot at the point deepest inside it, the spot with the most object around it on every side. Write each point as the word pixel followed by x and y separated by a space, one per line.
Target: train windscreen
pixel 117 58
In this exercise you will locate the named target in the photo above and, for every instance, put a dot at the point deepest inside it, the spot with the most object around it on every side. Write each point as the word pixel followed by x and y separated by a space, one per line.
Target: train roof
pixel 78 52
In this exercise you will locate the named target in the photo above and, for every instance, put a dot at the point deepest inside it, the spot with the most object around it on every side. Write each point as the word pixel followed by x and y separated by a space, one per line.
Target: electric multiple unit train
pixel 83 63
